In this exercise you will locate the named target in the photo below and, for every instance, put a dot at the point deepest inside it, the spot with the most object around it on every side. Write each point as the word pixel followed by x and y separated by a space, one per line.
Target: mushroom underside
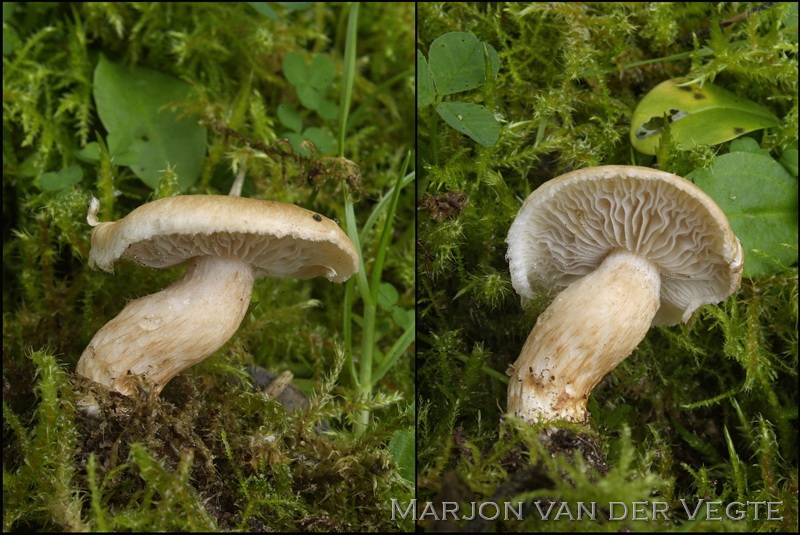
pixel 572 230
pixel 275 256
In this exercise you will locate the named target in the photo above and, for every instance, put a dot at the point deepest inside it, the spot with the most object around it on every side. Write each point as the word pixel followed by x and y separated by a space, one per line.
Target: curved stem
pixel 162 334
pixel 591 326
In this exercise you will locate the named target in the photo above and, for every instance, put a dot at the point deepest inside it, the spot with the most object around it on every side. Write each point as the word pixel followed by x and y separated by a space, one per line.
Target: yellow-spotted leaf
pixel 705 115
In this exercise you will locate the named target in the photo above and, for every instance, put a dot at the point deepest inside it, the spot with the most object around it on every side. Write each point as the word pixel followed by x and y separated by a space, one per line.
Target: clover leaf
pixel 459 62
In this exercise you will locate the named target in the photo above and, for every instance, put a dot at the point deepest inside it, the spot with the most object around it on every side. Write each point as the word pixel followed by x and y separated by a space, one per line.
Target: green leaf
pixel 471 119
pixel 747 144
pixel 425 90
pixel 309 97
pixel 90 153
pixel 8 10
pixel 297 143
pixel 327 110
pixel 122 149
pixel 10 39
pixel 296 6
pixel 790 20
pixel 456 62
pixel 28 168
pixel 131 105
pixel 760 199
pixel 295 68
pixel 401 448
pixel 789 161
pixel 289 118
pixel 62 179
pixel 387 296
pixel 489 71
pixel 322 72
pixel 265 9
pixel 706 115
pixel 321 138
pixel 403 317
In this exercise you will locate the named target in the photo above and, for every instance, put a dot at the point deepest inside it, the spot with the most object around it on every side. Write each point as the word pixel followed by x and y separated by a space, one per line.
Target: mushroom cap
pixel 568 226
pixel 277 239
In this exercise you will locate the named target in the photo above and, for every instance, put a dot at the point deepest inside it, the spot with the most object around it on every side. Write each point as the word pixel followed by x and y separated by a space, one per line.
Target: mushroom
pixel 634 247
pixel 227 242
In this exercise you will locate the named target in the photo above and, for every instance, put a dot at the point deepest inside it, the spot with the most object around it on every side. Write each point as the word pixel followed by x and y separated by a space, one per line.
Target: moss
pixel 705 410
pixel 212 452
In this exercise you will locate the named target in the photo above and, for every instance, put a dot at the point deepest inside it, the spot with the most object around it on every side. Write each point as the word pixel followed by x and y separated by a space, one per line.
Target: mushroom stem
pixel 164 333
pixel 590 327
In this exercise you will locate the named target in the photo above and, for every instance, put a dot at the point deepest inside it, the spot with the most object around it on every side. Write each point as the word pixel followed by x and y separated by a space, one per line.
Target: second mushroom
pixel 631 247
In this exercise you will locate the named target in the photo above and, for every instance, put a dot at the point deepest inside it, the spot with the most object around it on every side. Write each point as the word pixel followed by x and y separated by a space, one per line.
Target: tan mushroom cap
pixel 570 224
pixel 277 239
